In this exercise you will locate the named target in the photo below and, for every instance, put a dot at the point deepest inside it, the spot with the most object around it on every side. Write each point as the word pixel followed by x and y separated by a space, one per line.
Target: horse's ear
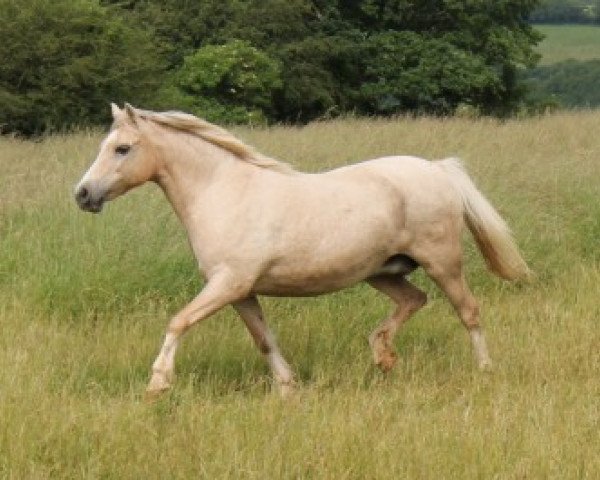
pixel 131 113
pixel 116 111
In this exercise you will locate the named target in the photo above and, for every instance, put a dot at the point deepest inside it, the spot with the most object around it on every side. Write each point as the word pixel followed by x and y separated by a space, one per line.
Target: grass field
pixel 84 301
pixel 562 42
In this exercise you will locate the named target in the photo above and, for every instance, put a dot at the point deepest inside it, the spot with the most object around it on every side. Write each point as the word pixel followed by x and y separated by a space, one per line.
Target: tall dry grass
pixel 84 301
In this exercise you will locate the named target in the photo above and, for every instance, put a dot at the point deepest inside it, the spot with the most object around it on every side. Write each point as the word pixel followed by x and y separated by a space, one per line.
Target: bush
pixel 62 61
pixel 231 83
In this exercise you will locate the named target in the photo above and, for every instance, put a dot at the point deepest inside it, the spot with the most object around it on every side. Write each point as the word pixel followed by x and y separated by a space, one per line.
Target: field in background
pixel 84 301
pixel 563 42
pixel 567 76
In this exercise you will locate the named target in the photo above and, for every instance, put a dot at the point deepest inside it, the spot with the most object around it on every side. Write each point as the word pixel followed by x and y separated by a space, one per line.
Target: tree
pixel 407 71
pixel 489 41
pixel 181 27
pixel 62 61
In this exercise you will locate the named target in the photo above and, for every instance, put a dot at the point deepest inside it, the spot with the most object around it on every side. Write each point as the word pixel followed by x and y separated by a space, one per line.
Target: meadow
pixel 564 42
pixel 84 301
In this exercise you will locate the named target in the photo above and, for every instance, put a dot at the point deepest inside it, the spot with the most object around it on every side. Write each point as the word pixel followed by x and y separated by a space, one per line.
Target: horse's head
pixel 126 160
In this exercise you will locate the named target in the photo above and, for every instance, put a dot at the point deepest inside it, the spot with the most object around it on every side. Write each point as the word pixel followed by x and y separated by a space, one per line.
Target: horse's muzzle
pixel 88 200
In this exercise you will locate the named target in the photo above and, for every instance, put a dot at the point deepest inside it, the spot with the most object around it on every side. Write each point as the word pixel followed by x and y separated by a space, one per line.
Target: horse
pixel 257 226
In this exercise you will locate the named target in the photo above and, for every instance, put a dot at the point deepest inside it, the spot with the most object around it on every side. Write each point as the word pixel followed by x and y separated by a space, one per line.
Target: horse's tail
pixel 490 231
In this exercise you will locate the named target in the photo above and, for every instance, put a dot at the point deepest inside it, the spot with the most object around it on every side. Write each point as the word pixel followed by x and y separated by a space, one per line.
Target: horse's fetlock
pixel 379 338
pixel 159 382
pixel 162 372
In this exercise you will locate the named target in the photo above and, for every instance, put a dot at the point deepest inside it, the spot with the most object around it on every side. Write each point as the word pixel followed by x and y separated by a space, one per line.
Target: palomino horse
pixel 258 227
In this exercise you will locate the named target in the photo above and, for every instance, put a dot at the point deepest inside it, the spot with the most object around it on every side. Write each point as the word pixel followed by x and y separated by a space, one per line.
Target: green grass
pixel 84 301
pixel 563 42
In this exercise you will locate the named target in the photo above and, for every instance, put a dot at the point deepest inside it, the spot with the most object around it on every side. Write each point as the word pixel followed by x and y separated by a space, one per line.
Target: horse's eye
pixel 122 149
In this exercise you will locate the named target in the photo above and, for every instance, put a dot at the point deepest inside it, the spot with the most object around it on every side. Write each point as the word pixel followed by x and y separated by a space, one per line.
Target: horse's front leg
pixel 222 289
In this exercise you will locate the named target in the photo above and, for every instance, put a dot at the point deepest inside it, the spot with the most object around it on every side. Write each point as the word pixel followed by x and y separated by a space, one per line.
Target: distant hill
pixel 569 69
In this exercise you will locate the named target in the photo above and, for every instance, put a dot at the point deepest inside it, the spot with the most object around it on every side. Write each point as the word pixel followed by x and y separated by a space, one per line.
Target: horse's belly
pixel 301 287
pixel 310 278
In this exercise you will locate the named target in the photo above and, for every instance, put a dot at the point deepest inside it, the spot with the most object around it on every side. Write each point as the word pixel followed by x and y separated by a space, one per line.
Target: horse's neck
pixel 188 168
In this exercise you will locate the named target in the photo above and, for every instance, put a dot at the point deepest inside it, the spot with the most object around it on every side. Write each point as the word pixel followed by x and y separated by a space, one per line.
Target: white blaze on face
pixel 97 184
pixel 91 173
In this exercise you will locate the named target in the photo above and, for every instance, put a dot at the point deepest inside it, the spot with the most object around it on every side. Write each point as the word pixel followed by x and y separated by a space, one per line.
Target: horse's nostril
pixel 82 194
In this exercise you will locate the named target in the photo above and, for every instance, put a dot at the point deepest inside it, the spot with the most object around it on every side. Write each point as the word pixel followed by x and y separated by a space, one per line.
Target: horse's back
pixel 341 226
pixel 423 185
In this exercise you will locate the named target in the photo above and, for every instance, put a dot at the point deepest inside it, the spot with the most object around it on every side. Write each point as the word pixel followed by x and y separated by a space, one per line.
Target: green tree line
pixel 570 84
pixel 567 11
pixel 259 61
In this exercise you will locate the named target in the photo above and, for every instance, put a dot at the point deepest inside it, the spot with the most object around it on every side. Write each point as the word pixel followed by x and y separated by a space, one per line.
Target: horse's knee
pixel 264 344
pixel 178 326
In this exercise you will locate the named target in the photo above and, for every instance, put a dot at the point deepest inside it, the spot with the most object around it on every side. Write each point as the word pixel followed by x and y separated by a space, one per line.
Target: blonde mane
pixel 216 135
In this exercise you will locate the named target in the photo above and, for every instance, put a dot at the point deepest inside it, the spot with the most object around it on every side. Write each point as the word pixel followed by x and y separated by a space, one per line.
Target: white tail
pixel 490 231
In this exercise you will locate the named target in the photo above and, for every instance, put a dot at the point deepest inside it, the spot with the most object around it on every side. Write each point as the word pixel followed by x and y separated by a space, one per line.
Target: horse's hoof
pixel 152 396
pixel 153 393
pixel 386 360
pixel 157 387
pixel 383 353
pixel 286 390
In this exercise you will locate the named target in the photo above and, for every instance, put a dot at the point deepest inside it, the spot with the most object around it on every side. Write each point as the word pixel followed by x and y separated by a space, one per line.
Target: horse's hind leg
pixel 408 299
pixel 451 280
pixel 251 313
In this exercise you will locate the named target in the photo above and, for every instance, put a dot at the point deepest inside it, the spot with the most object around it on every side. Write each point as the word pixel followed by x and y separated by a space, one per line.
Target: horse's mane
pixel 216 135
